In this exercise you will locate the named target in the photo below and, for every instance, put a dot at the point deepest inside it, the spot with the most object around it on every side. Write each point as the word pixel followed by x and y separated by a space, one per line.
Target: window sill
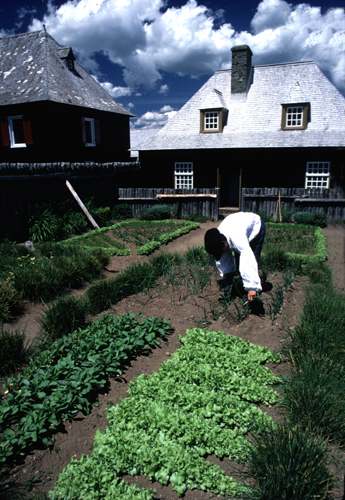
pixel 18 146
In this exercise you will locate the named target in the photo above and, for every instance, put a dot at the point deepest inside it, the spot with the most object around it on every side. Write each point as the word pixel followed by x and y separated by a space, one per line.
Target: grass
pixel 289 463
pixel 14 351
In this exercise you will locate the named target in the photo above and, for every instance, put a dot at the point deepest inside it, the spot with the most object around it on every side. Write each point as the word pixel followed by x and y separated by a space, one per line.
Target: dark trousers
pixel 255 245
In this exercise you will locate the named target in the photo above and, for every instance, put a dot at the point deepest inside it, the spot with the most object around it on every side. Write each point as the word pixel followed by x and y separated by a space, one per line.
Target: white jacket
pixel 239 229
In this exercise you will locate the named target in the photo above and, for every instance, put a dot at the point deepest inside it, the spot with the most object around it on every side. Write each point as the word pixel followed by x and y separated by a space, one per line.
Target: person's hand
pixel 251 295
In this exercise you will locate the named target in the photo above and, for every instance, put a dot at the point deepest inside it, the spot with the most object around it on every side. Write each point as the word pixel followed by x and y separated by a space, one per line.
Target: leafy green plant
pixel 288 462
pixel 157 212
pixel 286 215
pixel 200 402
pixel 276 302
pixel 61 381
pixel 44 225
pixel 122 212
pixel 264 216
pixel 312 219
pixel 195 217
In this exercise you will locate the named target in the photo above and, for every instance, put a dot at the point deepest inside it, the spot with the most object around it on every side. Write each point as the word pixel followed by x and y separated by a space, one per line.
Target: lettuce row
pixel 200 402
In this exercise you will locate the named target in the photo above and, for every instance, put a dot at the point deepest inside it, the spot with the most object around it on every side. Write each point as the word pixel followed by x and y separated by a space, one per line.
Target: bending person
pixel 244 234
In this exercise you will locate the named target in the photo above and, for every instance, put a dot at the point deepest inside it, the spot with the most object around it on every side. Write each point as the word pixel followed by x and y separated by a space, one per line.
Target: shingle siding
pixel 255 122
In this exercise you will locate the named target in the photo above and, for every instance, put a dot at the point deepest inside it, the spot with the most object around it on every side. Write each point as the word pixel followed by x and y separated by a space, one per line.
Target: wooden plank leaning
pixel 82 206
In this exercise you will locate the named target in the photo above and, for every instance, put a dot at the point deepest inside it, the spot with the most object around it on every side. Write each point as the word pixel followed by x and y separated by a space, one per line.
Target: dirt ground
pixel 75 437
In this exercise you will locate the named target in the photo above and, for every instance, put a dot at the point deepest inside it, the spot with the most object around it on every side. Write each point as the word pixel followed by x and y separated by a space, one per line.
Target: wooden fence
pixel 23 185
pixel 204 201
pixel 328 201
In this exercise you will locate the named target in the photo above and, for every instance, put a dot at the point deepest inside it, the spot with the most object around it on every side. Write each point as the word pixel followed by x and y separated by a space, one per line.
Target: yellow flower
pixel 32 258
pixel 9 272
pixel 6 392
pixel 7 279
pixel 23 257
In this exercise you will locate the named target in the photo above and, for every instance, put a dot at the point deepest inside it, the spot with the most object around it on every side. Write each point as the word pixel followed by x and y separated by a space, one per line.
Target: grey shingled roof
pixel 255 121
pixel 32 69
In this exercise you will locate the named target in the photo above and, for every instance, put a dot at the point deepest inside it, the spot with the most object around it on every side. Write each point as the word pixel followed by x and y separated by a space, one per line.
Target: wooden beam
pixel 82 206
pixel 209 195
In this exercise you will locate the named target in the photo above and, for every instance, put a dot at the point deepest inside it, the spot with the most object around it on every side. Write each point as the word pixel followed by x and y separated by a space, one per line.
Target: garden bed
pixel 184 309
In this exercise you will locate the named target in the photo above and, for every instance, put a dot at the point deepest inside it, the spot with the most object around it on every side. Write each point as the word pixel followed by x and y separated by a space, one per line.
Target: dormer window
pixel 67 56
pixel 211 120
pixel 70 64
pixel 295 116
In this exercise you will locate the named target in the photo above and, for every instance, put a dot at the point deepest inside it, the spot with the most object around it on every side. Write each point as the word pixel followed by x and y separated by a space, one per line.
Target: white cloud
pixel 147 37
pixel 115 91
pixel 163 89
pixel 154 119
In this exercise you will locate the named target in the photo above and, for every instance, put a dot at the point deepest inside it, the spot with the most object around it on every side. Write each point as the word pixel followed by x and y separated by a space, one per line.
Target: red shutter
pixel 5 135
pixel 98 132
pixel 27 132
pixel 83 130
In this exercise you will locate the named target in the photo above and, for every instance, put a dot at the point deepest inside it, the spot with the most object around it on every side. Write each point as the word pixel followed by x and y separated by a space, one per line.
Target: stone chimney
pixel 241 68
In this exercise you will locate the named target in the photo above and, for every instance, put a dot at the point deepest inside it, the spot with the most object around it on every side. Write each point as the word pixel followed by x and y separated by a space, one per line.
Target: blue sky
pixel 153 55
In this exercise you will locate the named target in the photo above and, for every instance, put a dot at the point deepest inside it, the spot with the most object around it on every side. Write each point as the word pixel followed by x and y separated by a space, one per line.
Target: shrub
pixel 158 212
pixel 286 215
pixel 72 223
pixel 312 219
pixel 196 217
pixel 44 225
pixel 122 212
pixel 289 463
pixel 265 217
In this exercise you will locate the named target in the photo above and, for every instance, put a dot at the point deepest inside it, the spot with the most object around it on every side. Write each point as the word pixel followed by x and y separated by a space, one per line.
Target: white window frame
pixel 13 142
pixel 211 120
pixel 93 132
pixel 184 178
pixel 317 175
pixel 294 115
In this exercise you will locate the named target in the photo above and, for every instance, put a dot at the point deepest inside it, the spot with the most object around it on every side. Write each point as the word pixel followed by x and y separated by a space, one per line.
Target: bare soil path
pixel 75 437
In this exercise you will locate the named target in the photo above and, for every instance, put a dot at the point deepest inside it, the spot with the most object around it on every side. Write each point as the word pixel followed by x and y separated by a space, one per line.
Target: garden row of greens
pixel 202 402
pixel 57 267
pixel 198 470
pixel 57 221
pixel 60 381
pixel 178 416
pixel 97 237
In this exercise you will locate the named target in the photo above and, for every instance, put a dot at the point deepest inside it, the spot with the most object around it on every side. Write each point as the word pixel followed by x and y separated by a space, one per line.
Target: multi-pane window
pixel 211 120
pixel 317 175
pixel 294 116
pixel 183 175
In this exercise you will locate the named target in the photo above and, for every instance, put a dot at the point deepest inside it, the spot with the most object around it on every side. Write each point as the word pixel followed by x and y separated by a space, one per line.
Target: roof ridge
pixel 21 34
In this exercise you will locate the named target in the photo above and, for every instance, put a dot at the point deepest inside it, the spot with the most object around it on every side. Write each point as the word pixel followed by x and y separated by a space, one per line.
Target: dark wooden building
pixel 52 110
pixel 264 126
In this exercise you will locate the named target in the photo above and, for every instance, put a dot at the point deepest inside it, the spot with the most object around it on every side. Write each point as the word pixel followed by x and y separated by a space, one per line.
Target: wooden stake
pixel 82 206
pixel 280 211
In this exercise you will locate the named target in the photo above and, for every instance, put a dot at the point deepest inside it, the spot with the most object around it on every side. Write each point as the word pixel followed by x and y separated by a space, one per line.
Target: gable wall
pixel 57 134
